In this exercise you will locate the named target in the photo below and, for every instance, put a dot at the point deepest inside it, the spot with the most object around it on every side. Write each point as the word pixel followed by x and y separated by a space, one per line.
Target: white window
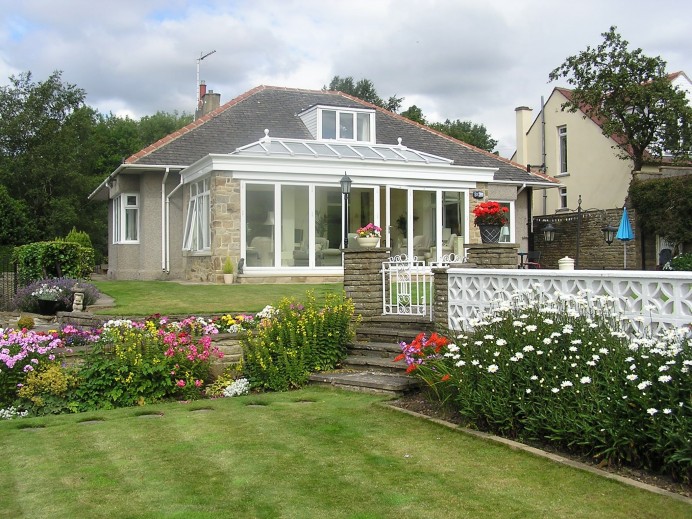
pixel 562 143
pixel 197 227
pixel 507 230
pixel 563 198
pixel 347 125
pixel 126 218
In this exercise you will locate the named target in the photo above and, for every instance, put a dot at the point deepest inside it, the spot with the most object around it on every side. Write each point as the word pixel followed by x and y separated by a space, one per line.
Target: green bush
pixel 54 259
pixel 681 262
pixel 296 339
pixel 79 237
pixel 567 373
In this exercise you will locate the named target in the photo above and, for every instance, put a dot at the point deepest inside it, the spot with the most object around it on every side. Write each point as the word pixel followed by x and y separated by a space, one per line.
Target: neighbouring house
pixel 257 180
pixel 571 148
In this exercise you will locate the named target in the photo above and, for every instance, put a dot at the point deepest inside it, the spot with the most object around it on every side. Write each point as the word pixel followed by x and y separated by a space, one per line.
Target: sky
pixel 473 60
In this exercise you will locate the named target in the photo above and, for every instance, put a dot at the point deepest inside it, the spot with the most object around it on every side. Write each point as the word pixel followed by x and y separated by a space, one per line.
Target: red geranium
pixel 490 213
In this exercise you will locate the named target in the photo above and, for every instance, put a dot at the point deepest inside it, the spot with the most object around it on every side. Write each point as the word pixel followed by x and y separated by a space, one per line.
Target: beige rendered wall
pixel 143 260
pixel 594 170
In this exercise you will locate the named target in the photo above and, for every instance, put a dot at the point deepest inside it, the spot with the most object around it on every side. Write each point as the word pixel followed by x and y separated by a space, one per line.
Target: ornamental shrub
pixel 53 259
pixel 26 301
pixel 296 339
pixel 22 352
pixel 137 363
pixel 680 262
pixel 565 372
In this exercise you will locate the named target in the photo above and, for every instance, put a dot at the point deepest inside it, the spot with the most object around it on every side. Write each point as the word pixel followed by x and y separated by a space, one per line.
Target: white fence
pixel 663 297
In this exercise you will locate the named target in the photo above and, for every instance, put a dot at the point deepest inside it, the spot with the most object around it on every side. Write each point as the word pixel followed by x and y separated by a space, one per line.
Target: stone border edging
pixel 543 454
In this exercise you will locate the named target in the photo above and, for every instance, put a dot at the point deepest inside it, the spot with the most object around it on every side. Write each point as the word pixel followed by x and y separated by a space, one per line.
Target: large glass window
pixel 126 218
pixel 197 227
pixel 328 226
pixel 295 219
pixel 260 225
pixel 506 232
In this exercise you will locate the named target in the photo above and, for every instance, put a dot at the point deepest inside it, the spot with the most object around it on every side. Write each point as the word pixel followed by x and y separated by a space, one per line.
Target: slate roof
pixel 243 120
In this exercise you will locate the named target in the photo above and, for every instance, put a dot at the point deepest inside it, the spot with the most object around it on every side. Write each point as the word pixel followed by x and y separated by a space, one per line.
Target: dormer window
pixel 341 124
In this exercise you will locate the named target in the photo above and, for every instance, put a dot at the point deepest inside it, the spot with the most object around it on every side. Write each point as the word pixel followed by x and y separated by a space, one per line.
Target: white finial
pixel 401 145
pixel 266 136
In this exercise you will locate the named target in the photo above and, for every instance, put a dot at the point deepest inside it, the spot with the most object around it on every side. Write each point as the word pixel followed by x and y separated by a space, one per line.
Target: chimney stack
pixel 523 122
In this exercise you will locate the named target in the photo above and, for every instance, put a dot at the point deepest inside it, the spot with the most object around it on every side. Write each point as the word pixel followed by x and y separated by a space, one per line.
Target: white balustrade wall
pixel 663 298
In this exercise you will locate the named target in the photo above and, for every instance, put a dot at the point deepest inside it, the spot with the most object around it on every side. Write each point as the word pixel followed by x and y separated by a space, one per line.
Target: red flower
pixel 445 378
pixel 490 213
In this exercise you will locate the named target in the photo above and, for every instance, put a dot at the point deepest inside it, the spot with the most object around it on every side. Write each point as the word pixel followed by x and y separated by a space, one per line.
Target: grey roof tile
pixel 243 120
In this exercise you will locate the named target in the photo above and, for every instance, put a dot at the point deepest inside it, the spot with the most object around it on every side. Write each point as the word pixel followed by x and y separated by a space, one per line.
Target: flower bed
pixel 128 362
pixel 565 372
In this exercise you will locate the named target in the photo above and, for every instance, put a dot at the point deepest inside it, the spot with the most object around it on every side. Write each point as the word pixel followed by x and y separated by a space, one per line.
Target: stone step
pixel 380 334
pixel 375 349
pixel 368 382
pixel 369 362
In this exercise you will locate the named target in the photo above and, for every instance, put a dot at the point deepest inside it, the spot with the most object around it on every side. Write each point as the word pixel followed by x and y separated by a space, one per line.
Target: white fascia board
pixel 306 169
pixel 131 168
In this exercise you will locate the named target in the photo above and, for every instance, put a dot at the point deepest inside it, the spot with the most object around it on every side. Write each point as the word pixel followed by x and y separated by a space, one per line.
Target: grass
pixel 171 298
pixel 303 454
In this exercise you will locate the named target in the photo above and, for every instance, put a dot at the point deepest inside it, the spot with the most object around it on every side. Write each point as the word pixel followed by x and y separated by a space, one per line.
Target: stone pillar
pixel 363 279
pixel 493 255
pixel 441 298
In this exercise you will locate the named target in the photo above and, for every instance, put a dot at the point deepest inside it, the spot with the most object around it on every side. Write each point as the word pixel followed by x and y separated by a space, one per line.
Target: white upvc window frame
pixel 126 207
pixel 197 236
pixel 562 198
pixel 562 152
pixel 344 113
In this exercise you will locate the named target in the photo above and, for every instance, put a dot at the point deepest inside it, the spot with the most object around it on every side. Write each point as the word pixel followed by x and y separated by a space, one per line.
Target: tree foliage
pixel 664 207
pixel 633 98
pixel 466 131
pixel 55 150
pixel 364 89
pixel 471 133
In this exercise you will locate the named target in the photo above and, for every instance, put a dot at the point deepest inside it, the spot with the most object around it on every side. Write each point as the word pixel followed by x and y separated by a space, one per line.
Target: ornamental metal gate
pixel 407 287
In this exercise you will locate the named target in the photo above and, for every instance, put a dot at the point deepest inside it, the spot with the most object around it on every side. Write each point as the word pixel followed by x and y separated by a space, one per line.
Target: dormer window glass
pixel 346 125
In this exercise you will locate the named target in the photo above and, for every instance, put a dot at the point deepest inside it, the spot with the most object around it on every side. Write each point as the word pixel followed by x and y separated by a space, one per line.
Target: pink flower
pixel 198 383
pixel 180 383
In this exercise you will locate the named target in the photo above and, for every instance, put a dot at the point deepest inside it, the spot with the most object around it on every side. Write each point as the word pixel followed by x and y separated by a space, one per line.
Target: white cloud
pixel 456 59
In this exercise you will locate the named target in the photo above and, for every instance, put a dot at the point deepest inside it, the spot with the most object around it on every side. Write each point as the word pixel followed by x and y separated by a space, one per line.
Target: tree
pixel 631 95
pixel 364 89
pixel 471 133
pixel 415 114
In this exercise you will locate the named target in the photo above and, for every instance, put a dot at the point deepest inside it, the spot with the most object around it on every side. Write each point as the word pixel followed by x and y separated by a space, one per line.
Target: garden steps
pixel 370 366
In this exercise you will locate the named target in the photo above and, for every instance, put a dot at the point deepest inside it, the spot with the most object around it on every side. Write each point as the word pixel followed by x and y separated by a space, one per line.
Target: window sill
pixel 126 243
pixel 196 253
pixel 562 175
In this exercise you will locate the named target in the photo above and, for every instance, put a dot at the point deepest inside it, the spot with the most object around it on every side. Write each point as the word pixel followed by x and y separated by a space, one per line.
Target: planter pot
pixel 47 307
pixel 370 241
pixel 228 279
pixel 490 233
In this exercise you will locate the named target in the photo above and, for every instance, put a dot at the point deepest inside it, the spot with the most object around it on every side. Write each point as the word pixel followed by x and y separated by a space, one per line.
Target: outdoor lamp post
pixel 345 190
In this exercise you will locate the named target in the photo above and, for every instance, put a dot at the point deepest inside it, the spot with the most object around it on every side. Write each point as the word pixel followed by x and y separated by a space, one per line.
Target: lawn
pixel 172 298
pixel 309 453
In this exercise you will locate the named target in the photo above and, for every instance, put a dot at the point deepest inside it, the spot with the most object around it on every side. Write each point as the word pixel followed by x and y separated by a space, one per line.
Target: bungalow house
pixel 257 180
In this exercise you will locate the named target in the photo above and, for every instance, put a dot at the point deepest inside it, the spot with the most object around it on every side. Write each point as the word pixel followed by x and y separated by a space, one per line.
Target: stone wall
pixel 225 232
pixel 594 252
pixel 493 255
pixel 363 279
